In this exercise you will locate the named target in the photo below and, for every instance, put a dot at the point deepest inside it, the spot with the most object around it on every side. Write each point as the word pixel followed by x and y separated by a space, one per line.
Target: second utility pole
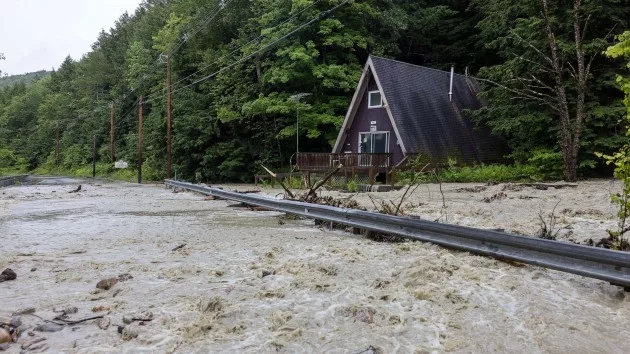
pixel 168 116
pixel 57 146
pixel 140 142
pixel 111 130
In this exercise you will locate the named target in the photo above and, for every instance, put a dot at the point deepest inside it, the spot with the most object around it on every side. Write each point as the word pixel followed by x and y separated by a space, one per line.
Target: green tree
pixel 543 94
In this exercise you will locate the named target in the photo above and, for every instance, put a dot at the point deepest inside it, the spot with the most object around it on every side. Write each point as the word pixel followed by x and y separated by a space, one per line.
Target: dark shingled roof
pixel 427 121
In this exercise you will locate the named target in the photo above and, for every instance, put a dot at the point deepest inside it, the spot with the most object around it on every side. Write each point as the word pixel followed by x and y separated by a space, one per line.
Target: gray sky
pixel 39 34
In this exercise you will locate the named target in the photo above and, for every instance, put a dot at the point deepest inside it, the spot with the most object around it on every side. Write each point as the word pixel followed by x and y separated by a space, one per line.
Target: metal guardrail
pixel 598 263
pixel 11 180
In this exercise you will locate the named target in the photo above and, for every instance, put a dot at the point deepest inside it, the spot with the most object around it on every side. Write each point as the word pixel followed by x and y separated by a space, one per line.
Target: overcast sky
pixel 39 34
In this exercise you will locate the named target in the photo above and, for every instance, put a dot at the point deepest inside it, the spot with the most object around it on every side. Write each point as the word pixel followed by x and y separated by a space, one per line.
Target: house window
pixel 374 142
pixel 374 99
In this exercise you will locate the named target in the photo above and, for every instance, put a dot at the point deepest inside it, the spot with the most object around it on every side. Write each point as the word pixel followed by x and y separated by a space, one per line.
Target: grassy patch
pixel 481 173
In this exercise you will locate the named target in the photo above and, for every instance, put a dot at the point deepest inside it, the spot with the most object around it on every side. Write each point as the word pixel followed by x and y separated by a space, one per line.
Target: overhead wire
pixel 321 15
pixel 248 43
pixel 211 15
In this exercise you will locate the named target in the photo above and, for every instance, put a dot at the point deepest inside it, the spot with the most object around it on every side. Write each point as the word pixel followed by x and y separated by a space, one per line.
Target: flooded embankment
pixel 249 282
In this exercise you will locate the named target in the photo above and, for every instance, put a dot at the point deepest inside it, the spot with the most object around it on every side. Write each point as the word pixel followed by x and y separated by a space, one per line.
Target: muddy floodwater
pixel 253 282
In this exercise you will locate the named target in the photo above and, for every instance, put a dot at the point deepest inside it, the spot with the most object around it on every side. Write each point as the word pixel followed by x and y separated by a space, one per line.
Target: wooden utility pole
pixel 94 156
pixel 140 123
pixel 57 146
pixel 168 116
pixel 111 131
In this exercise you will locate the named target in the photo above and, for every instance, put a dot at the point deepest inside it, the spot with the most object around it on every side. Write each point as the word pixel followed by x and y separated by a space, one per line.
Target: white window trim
pixel 387 135
pixel 370 99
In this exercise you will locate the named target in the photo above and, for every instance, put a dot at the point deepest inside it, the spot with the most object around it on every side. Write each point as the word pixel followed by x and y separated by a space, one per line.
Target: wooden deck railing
pixel 313 161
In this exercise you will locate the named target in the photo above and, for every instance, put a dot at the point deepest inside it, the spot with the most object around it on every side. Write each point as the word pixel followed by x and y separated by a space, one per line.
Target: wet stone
pixel 16 321
pixel 7 274
pixel 106 284
pixel 129 332
pixel 69 310
pixel 48 327
pixel 30 343
pixel 104 322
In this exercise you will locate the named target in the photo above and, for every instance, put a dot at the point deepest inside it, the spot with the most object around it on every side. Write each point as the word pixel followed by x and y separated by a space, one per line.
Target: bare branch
pixel 522 94
pixel 545 56
pixel 540 66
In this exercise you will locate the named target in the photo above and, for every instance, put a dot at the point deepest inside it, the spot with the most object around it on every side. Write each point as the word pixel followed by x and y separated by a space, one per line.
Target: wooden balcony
pixel 355 162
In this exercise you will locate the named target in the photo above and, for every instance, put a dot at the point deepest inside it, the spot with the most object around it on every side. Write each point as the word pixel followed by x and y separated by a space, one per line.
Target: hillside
pixel 28 78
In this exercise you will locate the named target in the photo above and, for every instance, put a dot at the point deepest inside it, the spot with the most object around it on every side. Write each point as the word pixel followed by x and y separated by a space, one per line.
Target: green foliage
pixel 548 163
pixel 492 173
pixel 352 186
pixel 480 173
pixel 621 159
pixel 515 31
pixel 224 127
pixel 7 158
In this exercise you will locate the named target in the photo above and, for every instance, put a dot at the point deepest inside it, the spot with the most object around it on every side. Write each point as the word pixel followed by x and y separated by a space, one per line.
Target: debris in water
pixel 100 308
pixel 497 196
pixel 266 273
pixel 124 277
pixel 178 247
pixel 475 189
pixel 76 190
pixel 25 311
pixel 370 350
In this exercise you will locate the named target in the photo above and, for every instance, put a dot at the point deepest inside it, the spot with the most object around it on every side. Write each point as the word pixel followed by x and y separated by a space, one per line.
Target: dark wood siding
pixel 361 123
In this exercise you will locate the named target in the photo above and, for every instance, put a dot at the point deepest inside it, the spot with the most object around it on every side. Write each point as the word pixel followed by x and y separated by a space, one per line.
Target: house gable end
pixel 368 82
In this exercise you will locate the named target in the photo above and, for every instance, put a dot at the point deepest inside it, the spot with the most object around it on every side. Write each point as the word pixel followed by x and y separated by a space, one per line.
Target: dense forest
pixel 552 92
pixel 27 79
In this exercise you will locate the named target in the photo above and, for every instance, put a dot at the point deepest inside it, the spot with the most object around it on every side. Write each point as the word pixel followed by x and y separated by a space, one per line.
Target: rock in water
pixel 106 284
pixel 104 322
pixel 7 274
pixel 48 327
pixel 16 322
pixel 129 332
pixel 5 336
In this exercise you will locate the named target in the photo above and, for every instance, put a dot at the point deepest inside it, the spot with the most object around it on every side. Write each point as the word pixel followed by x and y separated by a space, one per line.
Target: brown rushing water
pixel 331 292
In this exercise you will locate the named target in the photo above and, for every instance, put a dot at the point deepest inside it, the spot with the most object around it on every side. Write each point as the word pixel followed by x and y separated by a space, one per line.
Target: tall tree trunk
pixel 581 76
pixel 569 133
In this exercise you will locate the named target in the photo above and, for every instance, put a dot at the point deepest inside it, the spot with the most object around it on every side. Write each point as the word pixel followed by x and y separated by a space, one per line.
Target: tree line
pixel 235 64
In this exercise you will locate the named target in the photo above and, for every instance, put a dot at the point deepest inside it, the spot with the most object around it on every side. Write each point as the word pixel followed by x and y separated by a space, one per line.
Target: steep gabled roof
pixel 426 119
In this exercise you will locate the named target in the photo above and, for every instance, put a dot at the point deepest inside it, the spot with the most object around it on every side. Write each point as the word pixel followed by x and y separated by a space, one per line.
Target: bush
pixel 7 158
pixel 479 173
pixel 548 163
pixel 353 186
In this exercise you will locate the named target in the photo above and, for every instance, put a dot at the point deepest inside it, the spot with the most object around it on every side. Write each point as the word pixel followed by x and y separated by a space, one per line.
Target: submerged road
pixel 245 282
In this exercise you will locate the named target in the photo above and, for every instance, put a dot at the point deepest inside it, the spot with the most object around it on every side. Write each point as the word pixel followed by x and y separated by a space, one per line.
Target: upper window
pixel 374 99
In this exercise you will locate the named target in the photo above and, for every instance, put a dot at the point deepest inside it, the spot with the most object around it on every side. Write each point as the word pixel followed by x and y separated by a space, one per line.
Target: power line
pixel 248 43
pixel 297 29
pixel 211 15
